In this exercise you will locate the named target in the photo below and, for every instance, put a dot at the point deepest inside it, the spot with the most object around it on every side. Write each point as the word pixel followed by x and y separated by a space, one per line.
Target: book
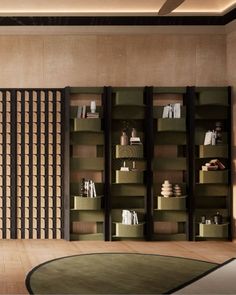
pixel 84 112
pixel 208 138
pixel 216 162
pixel 92 115
pixel 79 112
pixel 135 140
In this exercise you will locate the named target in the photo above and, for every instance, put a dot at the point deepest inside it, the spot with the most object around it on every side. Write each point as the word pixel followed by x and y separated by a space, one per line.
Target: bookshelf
pixel 170 215
pixel 212 189
pixel 172 149
pixel 128 189
pixel 86 210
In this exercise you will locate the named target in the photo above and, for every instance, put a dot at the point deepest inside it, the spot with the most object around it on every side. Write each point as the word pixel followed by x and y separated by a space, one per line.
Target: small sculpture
pixel 166 190
pixel 177 191
pixel 93 106
pixel 218 130
pixel 218 218
pixel 124 138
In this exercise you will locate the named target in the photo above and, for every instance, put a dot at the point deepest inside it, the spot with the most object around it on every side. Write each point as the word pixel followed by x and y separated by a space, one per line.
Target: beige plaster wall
pixel 231 76
pixel 119 60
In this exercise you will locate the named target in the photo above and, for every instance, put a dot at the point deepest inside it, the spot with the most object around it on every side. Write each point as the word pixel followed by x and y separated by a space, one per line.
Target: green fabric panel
pixel 128 112
pixel 129 151
pixel 213 176
pixel 171 203
pixel 129 97
pixel 129 231
pixel 213 151
pixel 127 202
pixel 219 112
pixel 90 216
pixel 86 90
pixel 175 216
pixel 81 203
pixel 171 124
pixel 96 164
pixel 169 90
pixel 85 138
pixel 212 189
pixel 128 190
pixel 171 138
pixel 87 237
pixel 90 125
pixel 129 176
pixel 211 202
pixel 213 97
pixel 213 230
pixel 169 164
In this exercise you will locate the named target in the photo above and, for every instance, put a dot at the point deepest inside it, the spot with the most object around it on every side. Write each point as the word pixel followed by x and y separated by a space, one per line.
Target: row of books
pixel 82 114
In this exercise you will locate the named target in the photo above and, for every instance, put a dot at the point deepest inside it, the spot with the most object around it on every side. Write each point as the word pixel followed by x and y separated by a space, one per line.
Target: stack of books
pixel 92 115
pixel 135 140
pixel 81 112
pixel 213 165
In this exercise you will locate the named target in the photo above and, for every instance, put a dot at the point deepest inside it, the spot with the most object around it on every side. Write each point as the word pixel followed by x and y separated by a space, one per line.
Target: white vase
pixel 93 106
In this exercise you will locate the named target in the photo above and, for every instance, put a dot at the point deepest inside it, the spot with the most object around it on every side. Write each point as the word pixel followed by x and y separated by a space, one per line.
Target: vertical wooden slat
pixel 22 166
pixel 38 165
pixel 4 164
pixel 30 164
pixel 54 163
pixel 46 166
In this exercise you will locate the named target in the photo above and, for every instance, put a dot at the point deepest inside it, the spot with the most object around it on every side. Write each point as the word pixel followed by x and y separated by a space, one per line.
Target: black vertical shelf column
pixel 230 164
pixel 107 121
pixel 65 129
pixel 190 122
pixel 64 98
pixel 13 166
pixel 149 153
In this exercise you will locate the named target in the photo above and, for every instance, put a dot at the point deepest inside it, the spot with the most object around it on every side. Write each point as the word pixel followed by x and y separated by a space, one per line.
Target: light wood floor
pixel 18 257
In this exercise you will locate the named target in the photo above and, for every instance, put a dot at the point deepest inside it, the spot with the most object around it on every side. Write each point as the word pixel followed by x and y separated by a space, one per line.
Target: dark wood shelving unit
pixel 212 190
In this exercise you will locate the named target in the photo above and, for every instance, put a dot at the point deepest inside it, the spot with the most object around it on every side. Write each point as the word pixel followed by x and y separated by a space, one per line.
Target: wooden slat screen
pixel 31 159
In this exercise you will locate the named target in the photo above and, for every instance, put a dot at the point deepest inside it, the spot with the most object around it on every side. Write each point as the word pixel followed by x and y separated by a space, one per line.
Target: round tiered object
pixel 177 191
pixel 166 189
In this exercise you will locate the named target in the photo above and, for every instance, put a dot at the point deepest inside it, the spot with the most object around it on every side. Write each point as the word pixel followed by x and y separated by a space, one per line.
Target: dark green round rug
pixel 115 273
